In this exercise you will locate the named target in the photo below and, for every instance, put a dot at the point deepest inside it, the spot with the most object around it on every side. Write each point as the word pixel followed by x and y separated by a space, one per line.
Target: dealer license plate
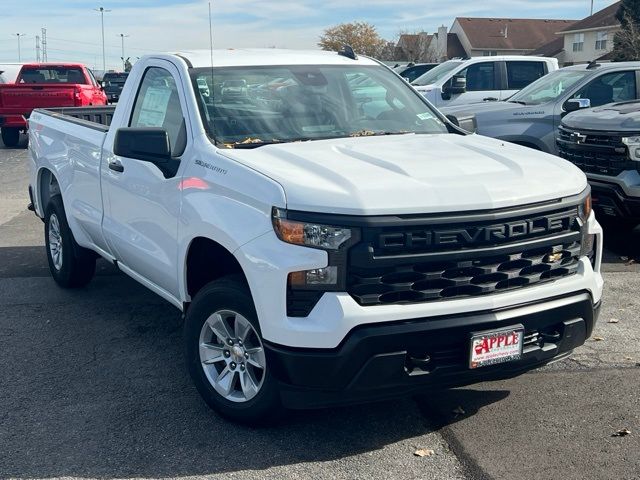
pixel 496 346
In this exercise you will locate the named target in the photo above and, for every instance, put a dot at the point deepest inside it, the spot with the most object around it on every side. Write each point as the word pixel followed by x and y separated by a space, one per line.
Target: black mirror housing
pixel 576 104
pixel 464 121
pixel 147 144
pixel 456 86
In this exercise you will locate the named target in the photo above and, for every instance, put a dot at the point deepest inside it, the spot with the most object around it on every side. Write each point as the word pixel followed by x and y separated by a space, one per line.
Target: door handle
pixel 116 166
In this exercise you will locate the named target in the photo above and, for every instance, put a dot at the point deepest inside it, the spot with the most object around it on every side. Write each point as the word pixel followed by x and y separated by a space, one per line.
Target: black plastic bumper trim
pixel 623 205
pixel 375 361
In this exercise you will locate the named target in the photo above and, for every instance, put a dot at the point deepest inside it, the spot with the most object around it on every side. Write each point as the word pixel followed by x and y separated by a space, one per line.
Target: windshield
pixel 549 87
pixel 52 74
pixel 437 73
pixel 112 79
pixel 252 106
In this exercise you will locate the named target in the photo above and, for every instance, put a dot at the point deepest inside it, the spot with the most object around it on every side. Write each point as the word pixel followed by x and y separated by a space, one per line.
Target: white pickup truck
pixel 329 235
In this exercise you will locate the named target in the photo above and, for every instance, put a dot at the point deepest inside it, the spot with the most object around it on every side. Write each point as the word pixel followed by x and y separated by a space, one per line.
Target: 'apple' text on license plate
pixel 497 346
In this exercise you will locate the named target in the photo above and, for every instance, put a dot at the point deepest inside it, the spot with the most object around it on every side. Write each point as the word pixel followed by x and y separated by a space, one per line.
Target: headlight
pixel 587 243
pixel 307 234
pixel 633 147
pixel 584 209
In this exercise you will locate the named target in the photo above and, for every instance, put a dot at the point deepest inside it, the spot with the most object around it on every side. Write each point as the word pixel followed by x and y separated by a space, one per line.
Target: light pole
pixel 19 51
pixel 102 11
pixel 122 37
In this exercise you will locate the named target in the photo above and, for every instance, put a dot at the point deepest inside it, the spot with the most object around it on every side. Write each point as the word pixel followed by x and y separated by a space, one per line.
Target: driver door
pixel 141 204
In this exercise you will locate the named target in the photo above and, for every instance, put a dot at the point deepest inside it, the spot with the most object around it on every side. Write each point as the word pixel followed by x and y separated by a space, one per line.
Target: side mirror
pixel 456 86
pixel 576 104
pixel 148 145
pixel 465 121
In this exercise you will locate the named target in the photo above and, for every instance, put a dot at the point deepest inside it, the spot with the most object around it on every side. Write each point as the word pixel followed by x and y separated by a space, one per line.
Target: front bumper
pixel 388 360
pixel 611 200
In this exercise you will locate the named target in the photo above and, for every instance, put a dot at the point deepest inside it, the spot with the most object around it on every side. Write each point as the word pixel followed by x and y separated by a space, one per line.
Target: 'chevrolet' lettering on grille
pixel 484 234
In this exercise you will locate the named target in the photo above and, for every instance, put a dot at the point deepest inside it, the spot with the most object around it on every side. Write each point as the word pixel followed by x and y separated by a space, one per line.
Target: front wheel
pixel 10 137
pixel 226 356
pixel 71 265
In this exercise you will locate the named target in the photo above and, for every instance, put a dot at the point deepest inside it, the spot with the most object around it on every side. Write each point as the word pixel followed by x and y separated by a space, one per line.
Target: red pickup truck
pixel 44 85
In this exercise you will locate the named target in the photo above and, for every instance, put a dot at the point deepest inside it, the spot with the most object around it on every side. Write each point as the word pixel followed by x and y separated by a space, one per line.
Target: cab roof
pixel 245 57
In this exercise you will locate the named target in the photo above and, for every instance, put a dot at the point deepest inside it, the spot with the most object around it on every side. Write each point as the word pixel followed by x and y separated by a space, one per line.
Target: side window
pixel 93 78
pixel 480 77
pixel 610 88
pixel 157 104
pixel 521 74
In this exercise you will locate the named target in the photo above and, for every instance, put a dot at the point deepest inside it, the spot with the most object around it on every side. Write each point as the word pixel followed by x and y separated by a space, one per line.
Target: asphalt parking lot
pixel 93 384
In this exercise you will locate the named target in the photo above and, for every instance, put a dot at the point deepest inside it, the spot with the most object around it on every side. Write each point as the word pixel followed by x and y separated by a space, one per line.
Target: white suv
pixel 460 82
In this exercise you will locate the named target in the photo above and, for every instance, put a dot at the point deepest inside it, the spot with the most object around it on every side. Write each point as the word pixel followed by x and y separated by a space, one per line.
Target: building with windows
pixel 591 38
pixel 586 40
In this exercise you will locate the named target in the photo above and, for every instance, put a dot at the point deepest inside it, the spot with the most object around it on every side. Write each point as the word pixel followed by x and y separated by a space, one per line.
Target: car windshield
pixel 247 107
pixel 437 73
pixel 549 87
pixel 115 79
pixel 52 75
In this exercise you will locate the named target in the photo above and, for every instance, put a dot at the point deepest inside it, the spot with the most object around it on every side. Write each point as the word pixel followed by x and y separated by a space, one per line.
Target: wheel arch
pixel 47 187
pixel 206 260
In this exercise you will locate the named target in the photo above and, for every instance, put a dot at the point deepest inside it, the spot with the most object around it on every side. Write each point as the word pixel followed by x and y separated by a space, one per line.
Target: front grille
pixel 464 278
pixel 392 265
pixel 598 153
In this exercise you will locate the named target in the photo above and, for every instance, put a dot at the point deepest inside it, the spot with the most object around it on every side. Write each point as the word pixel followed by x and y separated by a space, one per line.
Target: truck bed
pixel 97 118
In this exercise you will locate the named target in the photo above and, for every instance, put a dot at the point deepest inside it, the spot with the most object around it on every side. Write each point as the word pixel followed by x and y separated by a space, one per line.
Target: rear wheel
pixel 10 137
pixel 71 265
pixel 225 354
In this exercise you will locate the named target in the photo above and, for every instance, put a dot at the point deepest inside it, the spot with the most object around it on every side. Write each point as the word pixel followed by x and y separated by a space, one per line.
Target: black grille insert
pixel 462 278
pixel 601 153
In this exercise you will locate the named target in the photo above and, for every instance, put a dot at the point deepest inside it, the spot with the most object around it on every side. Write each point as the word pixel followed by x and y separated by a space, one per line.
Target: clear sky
pixel 73 28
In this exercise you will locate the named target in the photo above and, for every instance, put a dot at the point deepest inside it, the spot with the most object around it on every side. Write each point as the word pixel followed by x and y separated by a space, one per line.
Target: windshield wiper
pixel 371 133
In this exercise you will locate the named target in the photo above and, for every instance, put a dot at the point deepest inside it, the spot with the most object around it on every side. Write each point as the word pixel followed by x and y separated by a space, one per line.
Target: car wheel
pixel 226 356
pixel 10 137
pixel 71 266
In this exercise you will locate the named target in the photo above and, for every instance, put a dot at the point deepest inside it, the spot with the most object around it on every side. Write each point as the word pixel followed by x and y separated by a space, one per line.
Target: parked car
pixel 41 85
pixel 234 90
pixel 604 142
pixel 481 79
pixel 532 116
pixel 416 70
pixel 322 254
pixel 113 83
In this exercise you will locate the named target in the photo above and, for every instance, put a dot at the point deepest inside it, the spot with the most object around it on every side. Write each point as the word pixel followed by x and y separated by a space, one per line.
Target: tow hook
pixel 418 365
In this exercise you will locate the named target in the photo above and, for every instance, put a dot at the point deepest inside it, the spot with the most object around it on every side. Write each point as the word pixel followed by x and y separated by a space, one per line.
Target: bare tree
pixel 362 36
pixel 627 40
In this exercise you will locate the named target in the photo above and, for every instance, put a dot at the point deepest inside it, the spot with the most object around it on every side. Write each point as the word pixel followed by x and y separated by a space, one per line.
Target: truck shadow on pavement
pixel 94 385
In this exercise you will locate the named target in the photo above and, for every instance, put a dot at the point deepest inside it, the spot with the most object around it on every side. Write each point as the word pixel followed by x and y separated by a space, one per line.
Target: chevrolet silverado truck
pixel 43 85
pixel 326 247
pixel 604 142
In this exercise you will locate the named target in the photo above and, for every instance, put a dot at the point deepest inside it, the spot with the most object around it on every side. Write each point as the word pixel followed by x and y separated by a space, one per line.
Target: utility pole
pixel 19 52
pixel 122 37
pixel 44 45
pixel 591 7
pixel 38 48
pixel 102 11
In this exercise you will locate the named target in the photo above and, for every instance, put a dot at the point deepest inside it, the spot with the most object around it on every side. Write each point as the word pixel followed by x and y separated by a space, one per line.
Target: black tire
pixel 229 293
pixel 10 137
pixel 78 265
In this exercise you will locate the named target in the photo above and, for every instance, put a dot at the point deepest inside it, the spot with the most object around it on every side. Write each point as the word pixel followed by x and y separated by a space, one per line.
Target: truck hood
pixel 615 117
pixel 408 174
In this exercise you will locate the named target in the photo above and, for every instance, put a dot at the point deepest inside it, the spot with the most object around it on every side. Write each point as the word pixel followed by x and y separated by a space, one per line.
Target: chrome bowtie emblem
pixel 553 257
pixel 578 137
